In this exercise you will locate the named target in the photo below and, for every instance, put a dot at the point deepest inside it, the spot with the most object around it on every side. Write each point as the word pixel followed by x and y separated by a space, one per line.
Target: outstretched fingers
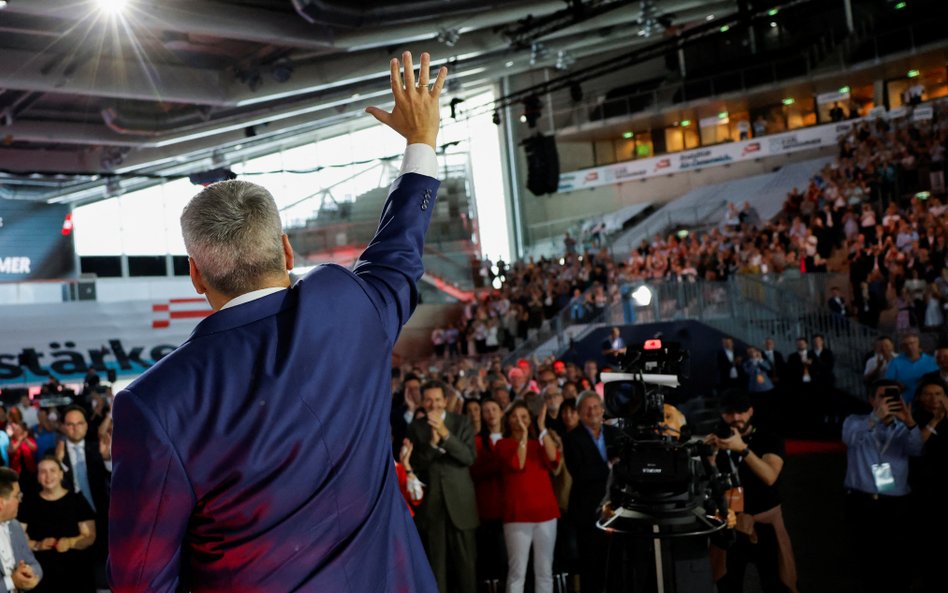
pixel 439 82
pixel 409 71
pixel 397 89
pixel 423 73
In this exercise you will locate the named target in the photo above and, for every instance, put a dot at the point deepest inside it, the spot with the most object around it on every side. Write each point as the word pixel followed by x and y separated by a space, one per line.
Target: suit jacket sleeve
pixel 21 548
pixel 460 445
pixel 391 264
pixel 151 504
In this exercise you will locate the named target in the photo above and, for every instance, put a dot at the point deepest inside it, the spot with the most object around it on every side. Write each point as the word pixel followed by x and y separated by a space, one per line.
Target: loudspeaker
pixel 543 164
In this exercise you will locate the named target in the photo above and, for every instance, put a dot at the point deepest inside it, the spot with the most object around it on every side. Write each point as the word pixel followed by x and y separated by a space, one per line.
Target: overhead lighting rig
pixel 529 29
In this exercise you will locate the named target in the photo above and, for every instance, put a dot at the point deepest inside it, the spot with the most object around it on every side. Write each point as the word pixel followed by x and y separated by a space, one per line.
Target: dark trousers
pixel 492 553
pixel 877 528
pixel 592 558
pixel 763 554
pixel 452 553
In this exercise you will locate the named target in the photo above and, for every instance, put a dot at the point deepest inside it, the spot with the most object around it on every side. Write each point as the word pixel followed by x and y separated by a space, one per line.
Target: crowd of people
pixel 505 466
pixel 57 457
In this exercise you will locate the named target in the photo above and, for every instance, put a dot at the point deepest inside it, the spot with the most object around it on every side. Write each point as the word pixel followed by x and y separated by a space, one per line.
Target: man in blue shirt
pixel 908 367
pixel 876 512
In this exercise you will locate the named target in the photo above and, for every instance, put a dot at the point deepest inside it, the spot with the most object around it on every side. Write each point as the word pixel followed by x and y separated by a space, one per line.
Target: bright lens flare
pixel 112 7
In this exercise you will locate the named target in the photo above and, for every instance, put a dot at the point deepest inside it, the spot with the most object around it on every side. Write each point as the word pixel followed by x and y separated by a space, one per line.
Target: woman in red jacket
pixel 530 507
pixel 489 491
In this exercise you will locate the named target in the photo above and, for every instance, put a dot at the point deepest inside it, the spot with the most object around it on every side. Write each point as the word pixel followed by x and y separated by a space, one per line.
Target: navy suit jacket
pixel 256 456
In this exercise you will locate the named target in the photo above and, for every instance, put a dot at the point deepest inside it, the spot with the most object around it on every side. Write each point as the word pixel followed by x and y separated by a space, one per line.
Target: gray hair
pixel 588 394
pixel 232 231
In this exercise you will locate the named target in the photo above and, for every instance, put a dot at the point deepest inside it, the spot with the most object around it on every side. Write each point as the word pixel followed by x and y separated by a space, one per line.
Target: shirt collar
pixel 251 296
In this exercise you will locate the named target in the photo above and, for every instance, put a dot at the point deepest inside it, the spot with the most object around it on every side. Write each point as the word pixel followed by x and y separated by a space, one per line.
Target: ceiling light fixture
pixel 112 7
pixel 710 17
pixel 449 37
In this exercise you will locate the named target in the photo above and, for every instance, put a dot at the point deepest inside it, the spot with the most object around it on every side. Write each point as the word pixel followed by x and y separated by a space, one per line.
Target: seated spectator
pixel 20 570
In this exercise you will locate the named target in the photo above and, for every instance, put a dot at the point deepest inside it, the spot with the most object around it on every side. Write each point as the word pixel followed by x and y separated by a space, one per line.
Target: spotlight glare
pixel 642 296
pixel 112 7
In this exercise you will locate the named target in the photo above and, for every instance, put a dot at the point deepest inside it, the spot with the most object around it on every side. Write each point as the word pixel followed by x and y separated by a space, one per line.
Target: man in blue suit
pixel 255 458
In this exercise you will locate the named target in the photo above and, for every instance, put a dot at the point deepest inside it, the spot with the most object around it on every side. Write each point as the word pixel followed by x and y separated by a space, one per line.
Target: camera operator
pixel 762 538
pixel 877 503
pixel 585 449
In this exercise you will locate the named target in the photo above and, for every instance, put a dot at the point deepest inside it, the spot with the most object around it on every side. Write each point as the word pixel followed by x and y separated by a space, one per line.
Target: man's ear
pixel 199 286
pixel 287 252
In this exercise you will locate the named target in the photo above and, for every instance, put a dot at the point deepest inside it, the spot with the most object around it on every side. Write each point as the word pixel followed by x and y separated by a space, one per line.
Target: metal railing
pixel 750 308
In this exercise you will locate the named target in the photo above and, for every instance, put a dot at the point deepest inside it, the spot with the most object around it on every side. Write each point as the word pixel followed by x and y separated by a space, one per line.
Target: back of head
pixel 232 231
pixel 8 478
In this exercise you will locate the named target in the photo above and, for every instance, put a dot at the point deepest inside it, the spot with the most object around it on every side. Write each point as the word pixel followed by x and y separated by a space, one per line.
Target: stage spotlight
pixel 112 7
pixel 642 296
pixel 496 118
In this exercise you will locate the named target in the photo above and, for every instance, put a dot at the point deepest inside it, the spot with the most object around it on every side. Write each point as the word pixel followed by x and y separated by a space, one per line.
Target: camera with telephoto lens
pixel 662 483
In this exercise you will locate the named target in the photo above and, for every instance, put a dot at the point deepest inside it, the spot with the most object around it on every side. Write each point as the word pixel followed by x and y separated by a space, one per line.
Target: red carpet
pixel 800 447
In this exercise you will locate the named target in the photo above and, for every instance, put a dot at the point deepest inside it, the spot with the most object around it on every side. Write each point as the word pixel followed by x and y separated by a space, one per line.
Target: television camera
pixel 663 483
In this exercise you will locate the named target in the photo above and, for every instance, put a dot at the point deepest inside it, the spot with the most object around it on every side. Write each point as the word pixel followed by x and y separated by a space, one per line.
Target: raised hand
pixel 416 115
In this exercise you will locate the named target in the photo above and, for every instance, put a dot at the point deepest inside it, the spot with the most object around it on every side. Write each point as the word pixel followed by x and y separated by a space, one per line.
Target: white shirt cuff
pixel 420 158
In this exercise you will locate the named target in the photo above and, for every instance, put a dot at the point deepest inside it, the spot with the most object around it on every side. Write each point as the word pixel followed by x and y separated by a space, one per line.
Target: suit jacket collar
pixel 246 313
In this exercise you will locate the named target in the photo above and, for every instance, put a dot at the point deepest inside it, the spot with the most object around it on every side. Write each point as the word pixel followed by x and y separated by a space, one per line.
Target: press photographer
pixel 757 457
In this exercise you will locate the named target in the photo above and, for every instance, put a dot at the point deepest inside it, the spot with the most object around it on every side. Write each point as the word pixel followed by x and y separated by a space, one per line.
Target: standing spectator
pixel 879 445
pixel 86 458
pixel 586 451
pixel 405 404
pixel 908 367
pixel 762 538
pixel 775 358
pixel 800 365
pixel 836 303
pixel 22 453
pixel 451 335
pixel 929 483
pixel 530 508
pixel 836 113
pixel 877 364
pixel 613 347
pixel 4 437
pixel 730 371
pixel 60 526
pixel 47 431
pixel 757 369
pixel 447 517
pixel 438 341
pixel 489 490
pixel 743 129
pixel 760 126
pixel 20 570
pixel 941 359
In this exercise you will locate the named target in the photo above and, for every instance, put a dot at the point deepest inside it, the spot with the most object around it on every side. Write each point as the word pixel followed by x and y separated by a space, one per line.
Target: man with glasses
pixel 21 571
pixel 87 465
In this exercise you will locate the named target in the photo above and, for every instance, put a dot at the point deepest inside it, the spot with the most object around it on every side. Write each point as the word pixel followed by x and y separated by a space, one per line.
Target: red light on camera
pixel 652 345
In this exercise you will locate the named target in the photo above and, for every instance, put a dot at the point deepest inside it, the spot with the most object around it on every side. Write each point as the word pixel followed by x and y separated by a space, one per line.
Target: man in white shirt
pixel 21 571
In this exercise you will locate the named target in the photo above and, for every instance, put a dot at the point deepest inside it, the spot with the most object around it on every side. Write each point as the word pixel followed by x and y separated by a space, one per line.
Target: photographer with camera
pixel 877 503
pixel 757 455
